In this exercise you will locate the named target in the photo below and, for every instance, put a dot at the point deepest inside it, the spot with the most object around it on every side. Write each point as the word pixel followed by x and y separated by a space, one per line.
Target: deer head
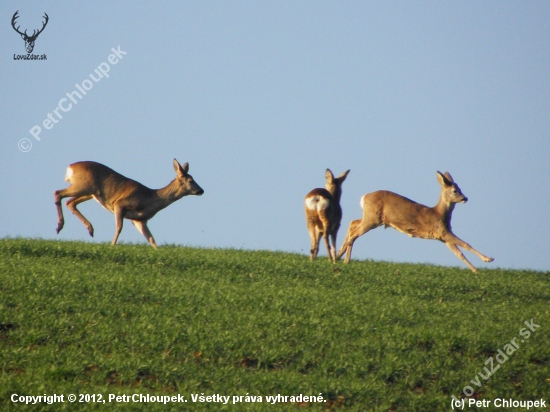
pixel 29 40
pixel 451 193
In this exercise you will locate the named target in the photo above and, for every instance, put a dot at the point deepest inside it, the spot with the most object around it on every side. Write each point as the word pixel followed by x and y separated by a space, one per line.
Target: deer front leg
pixel 454 248
pixel 119 217
pixel 71 205
pixel 464 245
pixel 144 230
pixel 333 240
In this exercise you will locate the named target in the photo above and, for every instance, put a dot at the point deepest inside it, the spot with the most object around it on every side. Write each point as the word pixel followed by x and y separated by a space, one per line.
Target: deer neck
pixel 444 208
pixel 335 192
pixel 168 194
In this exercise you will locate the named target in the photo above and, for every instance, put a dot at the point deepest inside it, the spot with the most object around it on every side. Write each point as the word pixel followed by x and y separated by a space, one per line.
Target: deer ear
pixel 181 171
pixel 329 176
pixel 343 176
pixel 443 181
pixel 449 177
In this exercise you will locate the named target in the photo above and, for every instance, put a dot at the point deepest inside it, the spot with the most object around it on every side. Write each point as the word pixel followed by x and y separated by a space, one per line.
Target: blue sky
pixel 261 97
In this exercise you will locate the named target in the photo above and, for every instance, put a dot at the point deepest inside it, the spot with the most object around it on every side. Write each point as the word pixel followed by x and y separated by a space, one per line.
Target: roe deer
pixel 416 220
pixel 124 197
pixel 323 213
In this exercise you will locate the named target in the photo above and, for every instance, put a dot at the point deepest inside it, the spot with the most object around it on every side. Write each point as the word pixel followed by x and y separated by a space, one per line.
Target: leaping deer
pixel 416 220
pixel 29 40
pixel 323 213
pixel 124 197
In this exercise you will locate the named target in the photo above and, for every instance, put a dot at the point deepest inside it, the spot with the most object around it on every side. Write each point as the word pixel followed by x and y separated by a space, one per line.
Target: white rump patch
pixel 317 203
pixel 68 174
pixel 362 201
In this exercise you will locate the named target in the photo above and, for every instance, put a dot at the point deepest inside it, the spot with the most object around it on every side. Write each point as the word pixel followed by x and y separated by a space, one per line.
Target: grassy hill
pixel 83 318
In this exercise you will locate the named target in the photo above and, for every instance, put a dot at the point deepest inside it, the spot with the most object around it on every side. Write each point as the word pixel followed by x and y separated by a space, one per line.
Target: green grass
pixel 87 318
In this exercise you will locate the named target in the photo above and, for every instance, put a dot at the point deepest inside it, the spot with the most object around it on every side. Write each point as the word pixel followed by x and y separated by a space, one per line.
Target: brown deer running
pixel 416 220
pixel 124 197
pixel 323 213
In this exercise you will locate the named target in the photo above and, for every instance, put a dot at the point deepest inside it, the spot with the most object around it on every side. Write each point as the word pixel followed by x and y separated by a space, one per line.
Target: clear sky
pixel 260 97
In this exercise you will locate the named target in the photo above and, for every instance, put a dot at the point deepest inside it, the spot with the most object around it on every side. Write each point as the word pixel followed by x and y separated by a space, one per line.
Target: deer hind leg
pixel 314 229
pixel 141 226
pixel 60 221
pixel 353 224
pixel 356 229
pixel 315 239
pixel 71 205
pixel 454 248
pixel 68 192
pixel 354 232
pixel 326 229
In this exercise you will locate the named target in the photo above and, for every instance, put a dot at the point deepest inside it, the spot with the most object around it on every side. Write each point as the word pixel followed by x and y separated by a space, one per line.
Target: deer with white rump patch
pixel 323 214
pixel 416 220
pixel 124 197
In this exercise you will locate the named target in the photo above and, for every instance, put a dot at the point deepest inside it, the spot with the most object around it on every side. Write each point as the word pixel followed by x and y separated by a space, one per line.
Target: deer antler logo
pixel 29 40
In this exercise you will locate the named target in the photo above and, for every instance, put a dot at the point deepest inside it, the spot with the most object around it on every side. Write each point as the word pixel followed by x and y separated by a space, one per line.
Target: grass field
pixel 85 318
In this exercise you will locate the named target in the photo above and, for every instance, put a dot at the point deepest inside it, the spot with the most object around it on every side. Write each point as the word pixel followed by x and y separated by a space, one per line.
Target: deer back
pixel 403 214
pixel 101 180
